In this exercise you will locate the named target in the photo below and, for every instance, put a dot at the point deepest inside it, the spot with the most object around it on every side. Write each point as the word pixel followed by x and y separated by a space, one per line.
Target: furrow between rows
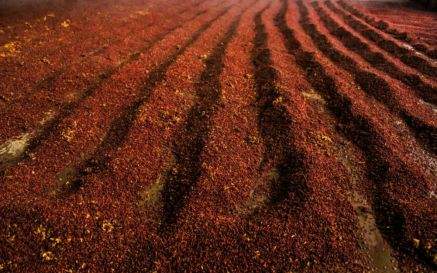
pixel 120 126
pixel 23 111
pixel 41 64
pixel 422 89
pixel 261 231
pixel 190 141
pixel 401 53
pixel 244 139
pixel 371 83
pixel 276 125
pixel 122 205
pixel 394 216
pixel 74 140
pixel 32 139
pixel 384 27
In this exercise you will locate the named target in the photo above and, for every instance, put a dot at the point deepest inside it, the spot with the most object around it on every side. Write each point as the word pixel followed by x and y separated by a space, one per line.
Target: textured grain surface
pixel 217 136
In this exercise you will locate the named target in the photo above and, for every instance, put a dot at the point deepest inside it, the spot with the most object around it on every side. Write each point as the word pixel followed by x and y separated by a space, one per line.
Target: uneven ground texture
pixel 217 136
pixel 410 21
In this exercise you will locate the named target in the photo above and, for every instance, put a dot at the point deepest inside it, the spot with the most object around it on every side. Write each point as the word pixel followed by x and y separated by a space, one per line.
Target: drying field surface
pixel 409 16
pixel 217 136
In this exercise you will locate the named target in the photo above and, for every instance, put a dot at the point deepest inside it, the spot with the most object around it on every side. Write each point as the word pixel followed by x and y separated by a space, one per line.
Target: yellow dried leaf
pixel 312 95
pixel 107 226
pixel 47 255
pixel 326 138
pixel 66 24
pixel 278 101
pixel 68 134
pixel 9 49
pixel 41 231
pixel 143 12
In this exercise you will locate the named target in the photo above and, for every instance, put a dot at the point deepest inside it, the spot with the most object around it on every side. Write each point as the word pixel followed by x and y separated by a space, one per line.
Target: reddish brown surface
pixel 407 17
pixel 214 136
pixel 404 19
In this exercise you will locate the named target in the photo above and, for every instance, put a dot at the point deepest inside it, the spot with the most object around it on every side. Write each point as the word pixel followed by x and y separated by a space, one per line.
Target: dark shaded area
pixel 66 109
pixel 390 216
pixel 276 126
pixel 120 126
pixel 23 5
pixel 384 26
pixel 190 142
pixel 15 10
pixel 403 54
pixel 370 83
